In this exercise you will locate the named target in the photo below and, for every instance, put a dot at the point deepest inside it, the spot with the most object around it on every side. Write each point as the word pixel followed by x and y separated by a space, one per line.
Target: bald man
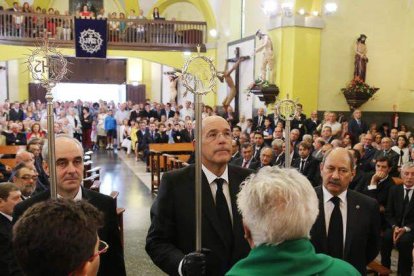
pixel 171 237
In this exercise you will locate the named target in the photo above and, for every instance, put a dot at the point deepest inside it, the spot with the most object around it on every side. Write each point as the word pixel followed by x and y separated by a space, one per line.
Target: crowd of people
pixel 349 162
pixel 30 22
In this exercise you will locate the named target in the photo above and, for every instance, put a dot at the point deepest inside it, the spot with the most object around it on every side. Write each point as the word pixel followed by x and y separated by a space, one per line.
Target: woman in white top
pixel 402 149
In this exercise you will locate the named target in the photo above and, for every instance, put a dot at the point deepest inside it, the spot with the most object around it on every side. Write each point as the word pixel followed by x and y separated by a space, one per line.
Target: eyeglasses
pixel 102 248
pixel 29 177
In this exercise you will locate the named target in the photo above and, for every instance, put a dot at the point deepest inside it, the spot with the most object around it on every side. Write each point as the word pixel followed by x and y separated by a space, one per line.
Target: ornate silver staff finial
pixel 199 77
pixel 286 110
pixel 48 66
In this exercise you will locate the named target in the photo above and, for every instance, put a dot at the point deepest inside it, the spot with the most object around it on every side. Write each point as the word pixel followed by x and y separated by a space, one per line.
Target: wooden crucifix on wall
pixel 225 75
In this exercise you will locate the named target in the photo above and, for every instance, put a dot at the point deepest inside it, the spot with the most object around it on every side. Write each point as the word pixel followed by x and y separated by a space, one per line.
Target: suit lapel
pixel 351 221
pixel 320 226
pixel 234 189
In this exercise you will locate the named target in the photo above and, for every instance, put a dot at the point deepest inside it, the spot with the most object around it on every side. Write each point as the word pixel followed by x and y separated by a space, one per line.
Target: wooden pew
pixel 10 152
pixel 158 162
pixel 94 171
pixel 377 269
pixel 89 181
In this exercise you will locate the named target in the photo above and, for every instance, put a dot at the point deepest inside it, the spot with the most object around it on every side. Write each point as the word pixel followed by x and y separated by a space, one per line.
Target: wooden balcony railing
pixel 134 34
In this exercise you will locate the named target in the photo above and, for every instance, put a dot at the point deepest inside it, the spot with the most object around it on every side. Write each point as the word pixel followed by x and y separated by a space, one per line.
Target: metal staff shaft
pixel 51 144
pixel 287 144
pixel 198 180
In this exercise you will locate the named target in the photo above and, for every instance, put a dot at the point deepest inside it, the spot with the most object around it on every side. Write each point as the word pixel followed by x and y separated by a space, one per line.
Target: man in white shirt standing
pixel 348 224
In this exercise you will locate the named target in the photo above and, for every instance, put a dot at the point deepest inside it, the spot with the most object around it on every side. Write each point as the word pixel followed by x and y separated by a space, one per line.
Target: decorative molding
pixel 276 22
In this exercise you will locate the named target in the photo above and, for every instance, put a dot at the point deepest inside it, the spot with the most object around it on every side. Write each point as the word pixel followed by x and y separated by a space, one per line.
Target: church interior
pixel 337 62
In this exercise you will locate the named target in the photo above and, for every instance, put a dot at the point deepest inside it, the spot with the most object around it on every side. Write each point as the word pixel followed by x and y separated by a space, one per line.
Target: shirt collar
pixel 408 188
pixel 77 197
pixel 327 195
pixel 211 176
pixel 7 216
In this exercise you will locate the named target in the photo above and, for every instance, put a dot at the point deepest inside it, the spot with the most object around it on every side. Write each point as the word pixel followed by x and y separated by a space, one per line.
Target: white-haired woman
pixel 279 207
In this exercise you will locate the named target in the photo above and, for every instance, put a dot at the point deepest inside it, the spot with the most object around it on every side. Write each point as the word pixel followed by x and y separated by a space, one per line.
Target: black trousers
pixel 404 246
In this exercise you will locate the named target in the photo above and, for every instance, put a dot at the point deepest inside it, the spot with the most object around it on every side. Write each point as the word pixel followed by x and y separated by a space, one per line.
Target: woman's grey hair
pixel 407 166
pixel 277 205
pixel 45 149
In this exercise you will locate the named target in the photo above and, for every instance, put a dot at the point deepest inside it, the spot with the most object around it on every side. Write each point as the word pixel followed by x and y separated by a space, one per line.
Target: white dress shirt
pixel 213 186
pixel 77 197
pixel 7 216
pixel 329 206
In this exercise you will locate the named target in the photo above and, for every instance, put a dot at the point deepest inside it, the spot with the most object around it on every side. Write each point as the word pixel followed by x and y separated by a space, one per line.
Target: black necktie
pixel 406 202
pixel 223 212
pixel 302 165
pixel 335 231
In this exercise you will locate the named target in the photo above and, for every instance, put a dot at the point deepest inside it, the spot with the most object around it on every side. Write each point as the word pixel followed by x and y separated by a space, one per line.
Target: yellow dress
pixel 134 137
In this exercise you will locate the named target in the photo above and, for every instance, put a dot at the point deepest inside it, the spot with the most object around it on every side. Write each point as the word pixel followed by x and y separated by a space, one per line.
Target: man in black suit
pixel 188 132
pixel 258 121
pixel 10 195
pixel 134 113
pixel 275 119
pixel 312 123
pixel 369 152
pixel 326 134
pixel 168 112
pixel 15 113
pixel 235 150
pixel 386 151
pixel 171 236
pixel 150 137
pixel 246 160
pixel 69 170
pixel 377 185
pixel 147 112
pixel 266 158
pixel 281 158
pixel 356 126
pixel 348 224
pixel 258 144
pixel 15 137
pixel 400 216
pixel 306 164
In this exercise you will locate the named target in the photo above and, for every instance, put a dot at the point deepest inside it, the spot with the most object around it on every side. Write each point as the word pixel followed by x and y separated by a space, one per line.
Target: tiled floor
pixel 136 198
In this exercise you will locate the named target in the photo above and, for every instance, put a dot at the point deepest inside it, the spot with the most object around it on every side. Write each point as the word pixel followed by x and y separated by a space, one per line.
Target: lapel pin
pixel 357 206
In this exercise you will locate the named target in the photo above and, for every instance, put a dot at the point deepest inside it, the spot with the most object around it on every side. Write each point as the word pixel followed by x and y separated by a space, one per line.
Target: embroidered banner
pixel 91 40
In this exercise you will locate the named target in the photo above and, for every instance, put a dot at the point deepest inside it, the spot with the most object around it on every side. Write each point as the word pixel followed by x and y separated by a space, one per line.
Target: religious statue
pixel 226 76
pixel 266 68
pixel 173 77
pixel 361 58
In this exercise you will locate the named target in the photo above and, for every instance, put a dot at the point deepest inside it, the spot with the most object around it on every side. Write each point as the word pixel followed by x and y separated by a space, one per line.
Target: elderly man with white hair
pixel 279 207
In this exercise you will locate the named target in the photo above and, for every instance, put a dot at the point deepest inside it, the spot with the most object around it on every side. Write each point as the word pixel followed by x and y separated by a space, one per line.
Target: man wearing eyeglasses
pixel 25 178
pixel 171 237
pixel 69 171
pixel 75 254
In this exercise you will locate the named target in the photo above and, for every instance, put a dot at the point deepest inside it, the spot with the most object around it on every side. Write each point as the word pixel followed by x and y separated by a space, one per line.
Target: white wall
pixel 89 92
pixel 13 70
pixel 3 81
pixel 156 81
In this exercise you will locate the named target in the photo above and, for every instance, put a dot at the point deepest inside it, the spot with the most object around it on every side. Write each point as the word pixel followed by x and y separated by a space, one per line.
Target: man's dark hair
pixel 238 127
pixel 246 145
pixel 56 237
pixel 18 168
pixel 384 159
pixel 305 145
pixel 6 188
pixel 258 133
pixel 33 141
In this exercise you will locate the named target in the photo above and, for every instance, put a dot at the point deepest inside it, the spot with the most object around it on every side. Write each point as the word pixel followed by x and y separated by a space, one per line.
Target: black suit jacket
pixel 362 241
pixel 310 170
pixel 311 125
pixel 187 137
pixel 133 115
pixel 274 120
pixel 112 262
pixel 19 139
pixel 172 231
pixel 392 155
pixel 253 165
pixel 394 209
pixel 355 130
pixel 170 113
pixel 256 125
pixel 15 116
pixel 6 253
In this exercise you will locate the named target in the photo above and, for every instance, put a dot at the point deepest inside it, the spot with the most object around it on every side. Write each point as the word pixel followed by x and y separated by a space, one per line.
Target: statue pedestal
pixel 266 93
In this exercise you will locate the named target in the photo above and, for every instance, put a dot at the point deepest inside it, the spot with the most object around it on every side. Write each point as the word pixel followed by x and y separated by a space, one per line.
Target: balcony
pixel 123 34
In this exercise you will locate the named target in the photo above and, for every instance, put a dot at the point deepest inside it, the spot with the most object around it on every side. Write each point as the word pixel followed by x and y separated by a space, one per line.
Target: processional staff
pixel 48 66
pixel 286 109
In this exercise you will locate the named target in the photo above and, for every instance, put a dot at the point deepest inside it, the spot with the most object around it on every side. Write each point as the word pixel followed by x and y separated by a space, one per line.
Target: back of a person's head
pixel 277 205
pixel 56 237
